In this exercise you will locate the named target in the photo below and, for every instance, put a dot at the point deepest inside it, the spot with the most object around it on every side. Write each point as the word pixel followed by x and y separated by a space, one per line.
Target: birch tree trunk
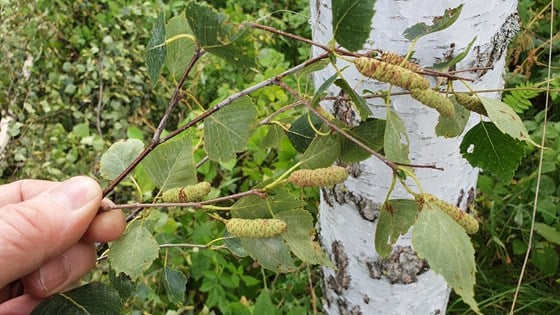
pixel 403 284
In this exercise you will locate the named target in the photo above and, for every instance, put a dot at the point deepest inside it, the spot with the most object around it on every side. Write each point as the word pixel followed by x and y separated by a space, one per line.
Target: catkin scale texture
pixel 389 73
pixel 189 193
pixel 319 177
pixel 471 103
pixel 434 100
pixel 466 221
pixel 399 60
pixel 256 228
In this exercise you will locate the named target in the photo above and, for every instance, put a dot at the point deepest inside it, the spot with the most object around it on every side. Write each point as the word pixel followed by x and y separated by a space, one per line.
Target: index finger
pixel 22 190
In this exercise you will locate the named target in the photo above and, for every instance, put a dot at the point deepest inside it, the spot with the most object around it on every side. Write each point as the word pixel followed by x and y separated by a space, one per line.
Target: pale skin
pixel 48 232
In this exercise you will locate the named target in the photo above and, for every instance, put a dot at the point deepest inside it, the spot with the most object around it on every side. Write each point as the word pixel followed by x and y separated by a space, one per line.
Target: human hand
pixel 48 232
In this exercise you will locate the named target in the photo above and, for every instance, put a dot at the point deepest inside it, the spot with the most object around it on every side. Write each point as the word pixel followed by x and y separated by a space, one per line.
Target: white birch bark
pixel 362 283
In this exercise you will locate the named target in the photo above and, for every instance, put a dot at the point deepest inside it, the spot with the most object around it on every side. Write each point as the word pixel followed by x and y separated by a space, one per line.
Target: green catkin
pixel 468 222
pixel 256 228
pixel 319 177
pixel 191 193
pixel 471 103
pixel 399 60
pixel 434 100
pixel 389 73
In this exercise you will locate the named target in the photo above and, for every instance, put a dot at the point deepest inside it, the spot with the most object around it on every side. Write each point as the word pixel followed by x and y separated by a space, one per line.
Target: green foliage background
pixel 89 87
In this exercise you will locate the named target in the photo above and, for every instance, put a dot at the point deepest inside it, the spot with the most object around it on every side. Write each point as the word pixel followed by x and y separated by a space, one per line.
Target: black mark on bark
pixel 341 280
pixel 487 54
pixel 367 208
pixel 403 266
pixel 345 309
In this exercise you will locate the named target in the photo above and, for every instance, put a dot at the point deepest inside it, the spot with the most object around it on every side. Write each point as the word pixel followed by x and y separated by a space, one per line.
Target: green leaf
pixel 134 252
pixel 255 207
pixel 263 304
pixel 371 133
pixel 546 260
pixel 505 118
pixel 450 127
pixel 321 91
pixel 487 147
pixel 171 164
pixel 122 283
pixel 219 37
pixel 358 101
pixel 175 285
pixel 92 298
pixel 395 218
pixel 439 23
pixel 301 134
pixel 352 22
pixel 227 131
pixel 448 250
pixel 156 49
pixel 234 245
pixel 273 137
pixel 322 152
pixel 300 237
pixel 548 232
pixel 309 69
pixel 270 253
pixel 118 157
pixel 446 65
pixel 395 142
pixel 180 45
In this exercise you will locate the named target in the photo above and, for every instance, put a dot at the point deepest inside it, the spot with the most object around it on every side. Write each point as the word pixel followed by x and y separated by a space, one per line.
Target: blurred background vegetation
pixel 74 81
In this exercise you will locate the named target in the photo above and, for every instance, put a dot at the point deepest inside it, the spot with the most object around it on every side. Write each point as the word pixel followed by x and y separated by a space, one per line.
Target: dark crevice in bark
pixel 341 280
pixel 402 267
pixel 339 193
pixel 487 54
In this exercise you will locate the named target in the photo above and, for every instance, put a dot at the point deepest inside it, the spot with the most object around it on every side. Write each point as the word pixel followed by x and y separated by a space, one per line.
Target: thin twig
pixel 312 291
pixel 334 127
pixel 289 35
pixel 539 171
pixel 197 205
pixel 304 40
pixel 201 162
pixel 444 75
pixel 156 138
pixel 245 92
pixel 281 110
pixel 394 166
pixel 191 246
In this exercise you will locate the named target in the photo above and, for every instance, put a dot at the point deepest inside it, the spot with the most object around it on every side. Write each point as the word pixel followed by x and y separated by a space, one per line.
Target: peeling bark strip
pixel 402 267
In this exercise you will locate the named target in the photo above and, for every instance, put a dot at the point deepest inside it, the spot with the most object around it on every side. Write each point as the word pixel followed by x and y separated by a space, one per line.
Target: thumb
pixel 38 229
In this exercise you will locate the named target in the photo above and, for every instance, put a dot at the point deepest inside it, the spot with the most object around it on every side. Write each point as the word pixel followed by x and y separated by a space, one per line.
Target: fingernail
pixel 53 274
pixel 75 192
